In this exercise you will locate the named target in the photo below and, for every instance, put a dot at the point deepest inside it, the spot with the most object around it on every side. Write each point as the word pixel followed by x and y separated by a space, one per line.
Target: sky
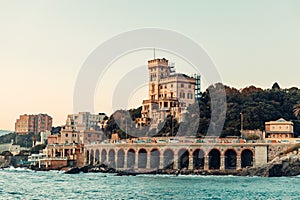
pixel 43 45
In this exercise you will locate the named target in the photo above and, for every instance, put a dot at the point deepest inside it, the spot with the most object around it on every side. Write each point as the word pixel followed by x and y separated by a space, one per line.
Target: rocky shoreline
pixel 105 169
pixel 284 164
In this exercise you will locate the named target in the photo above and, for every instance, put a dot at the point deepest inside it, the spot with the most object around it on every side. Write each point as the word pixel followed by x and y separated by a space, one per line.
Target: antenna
pixel 154 53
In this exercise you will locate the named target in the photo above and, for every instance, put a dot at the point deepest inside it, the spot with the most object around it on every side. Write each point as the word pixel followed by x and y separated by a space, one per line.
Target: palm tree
pixel 297 110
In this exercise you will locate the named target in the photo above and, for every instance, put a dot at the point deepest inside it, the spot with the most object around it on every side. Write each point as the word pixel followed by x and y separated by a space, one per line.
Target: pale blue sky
pixel 44 43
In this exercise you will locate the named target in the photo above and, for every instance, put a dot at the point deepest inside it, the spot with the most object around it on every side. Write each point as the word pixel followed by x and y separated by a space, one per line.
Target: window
pixel 190 86
pixel 182 85
pixel 67 135
pixel 171 85
pixel 190 96
pixel 153 77
pixel 182 95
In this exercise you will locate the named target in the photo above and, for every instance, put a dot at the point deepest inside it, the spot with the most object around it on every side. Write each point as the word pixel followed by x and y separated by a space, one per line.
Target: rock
pixel 85 169
pixel 74 170
pixel 275 170
pixel 284 165
pixel 124 173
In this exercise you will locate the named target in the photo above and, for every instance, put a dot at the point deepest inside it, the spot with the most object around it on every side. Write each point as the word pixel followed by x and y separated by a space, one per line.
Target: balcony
pixel 54 158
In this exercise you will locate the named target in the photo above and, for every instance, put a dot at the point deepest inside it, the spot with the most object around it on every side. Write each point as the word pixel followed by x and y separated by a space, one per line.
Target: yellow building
pixel 169 93
pixel 279 129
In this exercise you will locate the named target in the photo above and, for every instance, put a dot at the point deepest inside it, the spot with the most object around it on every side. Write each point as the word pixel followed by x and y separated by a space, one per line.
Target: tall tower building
pixel 158 69
pixel 169 93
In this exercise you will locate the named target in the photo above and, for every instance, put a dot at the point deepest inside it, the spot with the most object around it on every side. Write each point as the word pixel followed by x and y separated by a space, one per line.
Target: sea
pixel 27 184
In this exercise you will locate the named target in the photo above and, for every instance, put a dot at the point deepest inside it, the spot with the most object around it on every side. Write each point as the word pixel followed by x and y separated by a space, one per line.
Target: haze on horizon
pixel 44 44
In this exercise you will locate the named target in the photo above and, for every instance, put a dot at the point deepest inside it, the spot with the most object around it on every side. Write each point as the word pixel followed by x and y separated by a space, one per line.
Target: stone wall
pixel 261 155
pixel 275 149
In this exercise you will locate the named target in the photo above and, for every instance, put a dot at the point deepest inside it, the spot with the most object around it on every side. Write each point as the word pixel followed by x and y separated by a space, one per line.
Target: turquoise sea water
pixel 26 184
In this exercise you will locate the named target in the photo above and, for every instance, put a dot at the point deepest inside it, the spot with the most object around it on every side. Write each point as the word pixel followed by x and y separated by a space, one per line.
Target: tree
pixel 258 106
pixel 296 110
pixel 55 130
pixel 6 154
pixel 169 127
pixel 275 86
pixel 123 123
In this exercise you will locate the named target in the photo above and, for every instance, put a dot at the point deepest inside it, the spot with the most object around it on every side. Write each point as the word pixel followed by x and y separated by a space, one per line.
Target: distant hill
pixel 22 140
pixel 4 132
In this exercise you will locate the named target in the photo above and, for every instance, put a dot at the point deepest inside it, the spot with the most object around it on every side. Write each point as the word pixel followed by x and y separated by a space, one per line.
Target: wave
pixel 18 169
pixel 186 176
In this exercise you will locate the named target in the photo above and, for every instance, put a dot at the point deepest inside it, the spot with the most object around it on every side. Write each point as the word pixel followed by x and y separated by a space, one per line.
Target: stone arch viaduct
pixel 153 156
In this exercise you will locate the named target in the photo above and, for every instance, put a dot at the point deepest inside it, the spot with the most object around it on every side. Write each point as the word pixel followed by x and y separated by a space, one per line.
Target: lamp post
pixel 124 119
pixel 126 129
pixel 242 121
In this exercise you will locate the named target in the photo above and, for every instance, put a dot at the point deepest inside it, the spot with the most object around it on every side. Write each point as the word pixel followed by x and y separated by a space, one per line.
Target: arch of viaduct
pixel 177 156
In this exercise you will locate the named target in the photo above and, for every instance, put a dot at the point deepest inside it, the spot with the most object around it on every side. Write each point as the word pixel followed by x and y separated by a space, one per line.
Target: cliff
pixel 286 163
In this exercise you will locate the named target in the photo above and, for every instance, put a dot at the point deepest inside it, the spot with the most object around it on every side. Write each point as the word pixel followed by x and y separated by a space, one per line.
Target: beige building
pixel 33 123
pixel 69 135
pixel 86 121
pixel 169 93
pixel 91 136
pixel 279 129
pixel 66 148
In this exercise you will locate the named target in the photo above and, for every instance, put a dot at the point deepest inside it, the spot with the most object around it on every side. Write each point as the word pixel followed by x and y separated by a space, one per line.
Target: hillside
pixel 22 140
pixel 257 106
pixel 4 132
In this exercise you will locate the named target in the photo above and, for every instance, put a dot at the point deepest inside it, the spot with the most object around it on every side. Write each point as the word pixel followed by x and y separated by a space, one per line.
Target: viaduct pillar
pixel 125 160
pixel 161 162
pixel 206 162
pixel 136 160
pixel 238 162
pixel 148 160
pixel 222 163
pixel 175 161
pixel 191 162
